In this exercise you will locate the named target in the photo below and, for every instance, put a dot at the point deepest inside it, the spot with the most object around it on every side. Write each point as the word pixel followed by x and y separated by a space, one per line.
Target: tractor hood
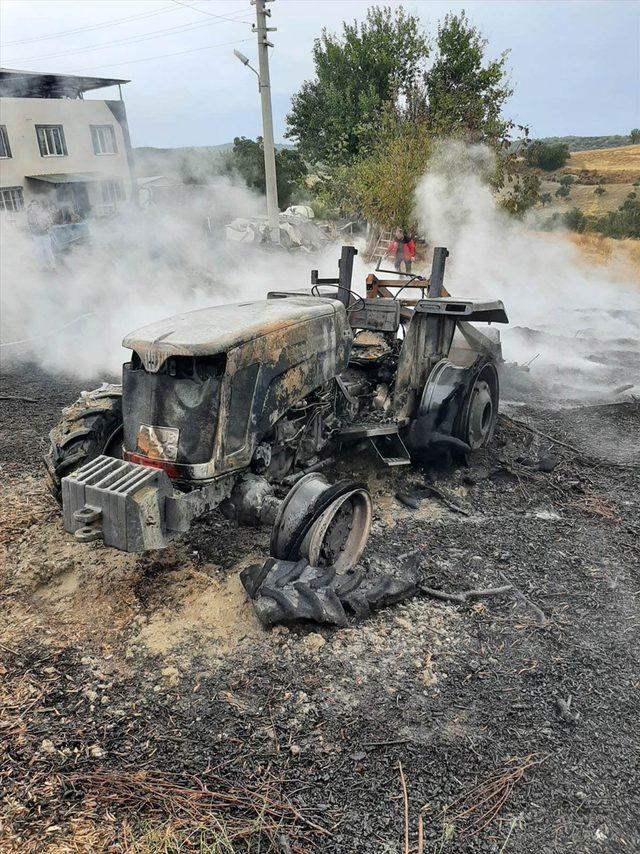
pixel 210 331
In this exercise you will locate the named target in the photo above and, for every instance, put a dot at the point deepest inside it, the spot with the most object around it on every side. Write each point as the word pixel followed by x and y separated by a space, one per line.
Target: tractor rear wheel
pixel 480 410
pixel 89 427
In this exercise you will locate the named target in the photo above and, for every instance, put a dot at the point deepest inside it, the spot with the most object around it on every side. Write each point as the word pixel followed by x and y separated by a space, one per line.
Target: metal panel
pixel 490 311
pixel 378 315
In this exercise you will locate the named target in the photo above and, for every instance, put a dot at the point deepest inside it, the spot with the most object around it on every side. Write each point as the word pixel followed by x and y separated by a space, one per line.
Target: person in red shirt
pixel 402 248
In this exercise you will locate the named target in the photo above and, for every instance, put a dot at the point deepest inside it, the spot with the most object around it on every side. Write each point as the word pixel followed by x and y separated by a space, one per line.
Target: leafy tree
pixel 545 199
pixel 599 190
pixel 634 135
pixel 381 186
pixel 247 159
pixel 632 195
pixel 466 92
pixel 547 156
pixel 381 61
pixel 562 192
pixel 566 180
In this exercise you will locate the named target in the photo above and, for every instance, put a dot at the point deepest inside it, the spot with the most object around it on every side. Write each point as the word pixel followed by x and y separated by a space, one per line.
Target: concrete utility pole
pixel 264 84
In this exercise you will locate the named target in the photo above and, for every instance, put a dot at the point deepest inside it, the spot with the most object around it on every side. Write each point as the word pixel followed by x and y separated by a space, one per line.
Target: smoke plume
pixel 138 267
pixel 580 324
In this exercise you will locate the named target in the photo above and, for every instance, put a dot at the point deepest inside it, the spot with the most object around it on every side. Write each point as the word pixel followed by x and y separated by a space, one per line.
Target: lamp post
pixel 264 87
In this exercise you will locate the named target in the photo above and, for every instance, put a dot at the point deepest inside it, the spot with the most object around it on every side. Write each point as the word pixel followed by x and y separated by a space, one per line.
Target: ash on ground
pixel 142 699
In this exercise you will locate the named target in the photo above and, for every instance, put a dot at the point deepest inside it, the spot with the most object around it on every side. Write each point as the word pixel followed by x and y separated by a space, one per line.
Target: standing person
pixel 402 248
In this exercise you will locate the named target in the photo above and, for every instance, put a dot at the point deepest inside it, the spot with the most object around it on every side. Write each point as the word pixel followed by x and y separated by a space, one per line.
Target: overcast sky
pixel 574 64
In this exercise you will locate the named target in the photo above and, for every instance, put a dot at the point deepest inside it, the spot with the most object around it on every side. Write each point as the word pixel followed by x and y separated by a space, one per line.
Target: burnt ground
pixel 143 708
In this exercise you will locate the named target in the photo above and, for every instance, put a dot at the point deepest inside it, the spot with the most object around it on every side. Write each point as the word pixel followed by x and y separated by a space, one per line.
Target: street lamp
pixel 245 61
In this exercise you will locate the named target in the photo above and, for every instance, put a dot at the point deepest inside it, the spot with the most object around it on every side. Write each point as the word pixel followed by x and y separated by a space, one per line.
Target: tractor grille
pixel 181 398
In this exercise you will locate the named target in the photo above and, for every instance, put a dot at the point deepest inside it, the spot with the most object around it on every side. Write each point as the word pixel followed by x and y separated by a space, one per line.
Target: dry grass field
pixel 617 165
pixel 622 255
pixel 614 169
pixel 584 197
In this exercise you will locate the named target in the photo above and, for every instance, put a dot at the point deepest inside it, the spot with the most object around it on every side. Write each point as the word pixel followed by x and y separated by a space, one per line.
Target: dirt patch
pixel 218 613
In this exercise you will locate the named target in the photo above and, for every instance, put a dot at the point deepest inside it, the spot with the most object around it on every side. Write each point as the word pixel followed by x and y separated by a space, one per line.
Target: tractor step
pixel 391 449
pixel 372 429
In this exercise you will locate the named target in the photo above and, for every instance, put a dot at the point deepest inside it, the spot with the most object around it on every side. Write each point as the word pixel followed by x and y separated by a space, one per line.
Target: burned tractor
pixel 239 406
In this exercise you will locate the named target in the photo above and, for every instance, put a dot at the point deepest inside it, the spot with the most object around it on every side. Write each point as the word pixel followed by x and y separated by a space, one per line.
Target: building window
pixel 104 139
pixel 112 193
pixel 51 140
pixel 5 148
pixel 11 199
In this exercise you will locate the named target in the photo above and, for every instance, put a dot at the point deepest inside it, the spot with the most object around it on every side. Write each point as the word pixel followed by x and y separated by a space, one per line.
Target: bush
pixel 625 222
pixel 545 199
pixel 575 220
pixel 551 223
pixel 547 156
pixel 566 180
pixel 634 135
pixel 562 192
pixel 599 190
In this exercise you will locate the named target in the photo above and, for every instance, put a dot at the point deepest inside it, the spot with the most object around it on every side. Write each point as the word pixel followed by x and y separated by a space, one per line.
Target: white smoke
pixel 575 312
pixel 139 267
pixel 150 263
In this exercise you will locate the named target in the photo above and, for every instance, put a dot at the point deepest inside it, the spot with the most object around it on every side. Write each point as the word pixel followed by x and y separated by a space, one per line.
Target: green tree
pixel 334 117
pixel 634 135
pixel 247 159
pixel 566 180
pixel 466 92
pixel 599 190
pixel 545 199
pixel 547 156
pixel 563 192
pixel 381 186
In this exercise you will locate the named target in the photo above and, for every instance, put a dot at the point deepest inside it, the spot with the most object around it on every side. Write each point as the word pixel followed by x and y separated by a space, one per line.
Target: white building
pixel 55 144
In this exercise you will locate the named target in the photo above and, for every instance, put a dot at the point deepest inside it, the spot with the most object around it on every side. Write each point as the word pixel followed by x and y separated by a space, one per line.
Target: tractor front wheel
pixel 89 427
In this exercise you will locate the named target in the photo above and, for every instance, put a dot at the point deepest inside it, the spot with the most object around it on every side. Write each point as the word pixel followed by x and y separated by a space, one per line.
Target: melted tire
pixel 89 427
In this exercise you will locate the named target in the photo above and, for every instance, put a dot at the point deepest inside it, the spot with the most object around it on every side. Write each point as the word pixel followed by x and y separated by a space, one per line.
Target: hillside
pixel 615 165
pixel 614 170
pixel 586 143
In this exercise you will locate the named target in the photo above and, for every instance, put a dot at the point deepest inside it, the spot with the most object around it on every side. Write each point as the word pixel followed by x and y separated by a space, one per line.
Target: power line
pixel 162 55
pixel 110 23
pixel 131 40
pixel 202 12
